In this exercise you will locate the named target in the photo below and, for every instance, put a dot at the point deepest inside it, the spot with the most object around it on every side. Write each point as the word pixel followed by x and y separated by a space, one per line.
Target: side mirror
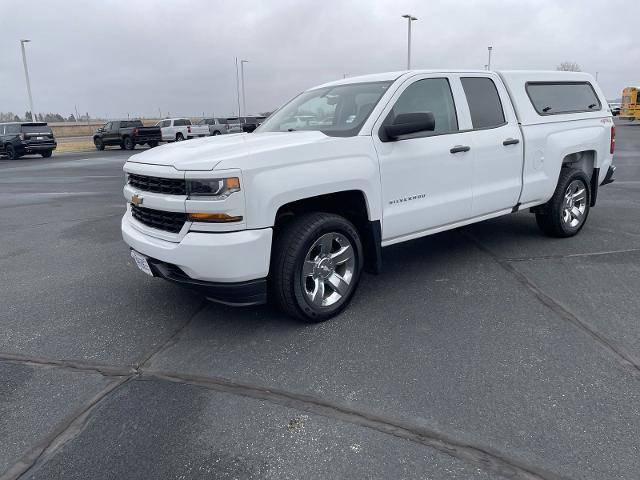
pixel 407 123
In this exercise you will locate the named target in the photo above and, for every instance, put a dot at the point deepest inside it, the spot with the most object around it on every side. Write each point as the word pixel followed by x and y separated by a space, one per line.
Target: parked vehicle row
pixel 129 133
pixel 360 164
pixel 28 138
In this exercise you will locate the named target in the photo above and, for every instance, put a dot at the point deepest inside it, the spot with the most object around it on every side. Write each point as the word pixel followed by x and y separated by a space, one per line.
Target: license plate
pixel 141 262
pixel 39 138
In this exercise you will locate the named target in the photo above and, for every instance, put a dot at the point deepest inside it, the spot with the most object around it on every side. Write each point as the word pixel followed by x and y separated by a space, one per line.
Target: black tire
pixel 11 152
pixel 216 132
pixel 179 137
pixel 128 143
pixel 551 217
pixel 99 143
pixel 46 154
pixel 152 144
pixel 291 247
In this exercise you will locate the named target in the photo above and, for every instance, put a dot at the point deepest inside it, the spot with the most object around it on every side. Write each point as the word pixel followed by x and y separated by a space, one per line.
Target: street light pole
pixel 238 89
pixel 489 64
pixel 244 100
pixel 26 74
pixel 410 18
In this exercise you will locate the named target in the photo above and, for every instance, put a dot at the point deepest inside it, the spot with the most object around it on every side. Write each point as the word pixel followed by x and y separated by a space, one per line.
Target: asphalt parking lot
pixel 486 352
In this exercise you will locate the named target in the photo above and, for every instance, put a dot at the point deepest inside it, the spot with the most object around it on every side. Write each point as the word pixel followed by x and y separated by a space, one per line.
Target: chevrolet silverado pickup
pixel 295 211
pixel 178 129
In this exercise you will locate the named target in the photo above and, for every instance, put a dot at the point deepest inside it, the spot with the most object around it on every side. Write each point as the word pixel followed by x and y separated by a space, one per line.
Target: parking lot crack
pixel 106 370
pixel 624 357
pixel 572 255
pixel 147 359
pixel 481 456
pixel 64 433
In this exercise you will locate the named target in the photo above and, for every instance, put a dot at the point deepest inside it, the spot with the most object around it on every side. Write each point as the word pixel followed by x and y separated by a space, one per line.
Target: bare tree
pixel 569 67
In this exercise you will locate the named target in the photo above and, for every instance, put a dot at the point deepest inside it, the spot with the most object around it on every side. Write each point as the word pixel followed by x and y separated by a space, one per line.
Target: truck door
pixel 112 133
pixel 426 177
pixel 497 145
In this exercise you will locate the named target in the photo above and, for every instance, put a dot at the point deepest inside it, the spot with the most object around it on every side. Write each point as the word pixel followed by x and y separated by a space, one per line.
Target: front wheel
pixel 11 153
pixel 99 143
pixel 567 211
pixel 316 266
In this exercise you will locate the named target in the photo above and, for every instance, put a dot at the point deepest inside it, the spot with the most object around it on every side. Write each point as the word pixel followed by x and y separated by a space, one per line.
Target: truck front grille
pixel 171 186
pixel 167 221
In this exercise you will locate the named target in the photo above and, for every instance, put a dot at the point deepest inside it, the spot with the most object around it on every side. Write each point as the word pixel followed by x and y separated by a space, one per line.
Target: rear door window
pixel 554 98
pixel 484 102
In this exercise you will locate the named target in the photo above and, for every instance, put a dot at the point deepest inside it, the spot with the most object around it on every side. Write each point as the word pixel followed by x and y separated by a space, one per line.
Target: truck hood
pixel 234 150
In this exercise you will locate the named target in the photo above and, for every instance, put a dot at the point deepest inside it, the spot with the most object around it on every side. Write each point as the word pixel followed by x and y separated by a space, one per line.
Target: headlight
pixel 213 189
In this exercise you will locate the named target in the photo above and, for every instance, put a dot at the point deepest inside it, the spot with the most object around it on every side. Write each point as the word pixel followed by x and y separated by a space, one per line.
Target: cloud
pixel 111 58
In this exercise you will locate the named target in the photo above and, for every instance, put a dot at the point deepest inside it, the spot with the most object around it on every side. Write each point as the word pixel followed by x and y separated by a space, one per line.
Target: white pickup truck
pixel 299 209
pixel 178 129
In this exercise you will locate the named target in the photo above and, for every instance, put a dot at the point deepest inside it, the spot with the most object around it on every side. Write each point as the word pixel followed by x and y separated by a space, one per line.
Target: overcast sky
pixel 111 58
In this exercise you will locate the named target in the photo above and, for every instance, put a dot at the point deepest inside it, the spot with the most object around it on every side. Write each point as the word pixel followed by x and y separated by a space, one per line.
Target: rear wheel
pixel 152 144
pixel 179 137
pixel 567 211
pixel 11 153
pixel 316 266
pixel 46 154
pixel 98 143
pixel 128 143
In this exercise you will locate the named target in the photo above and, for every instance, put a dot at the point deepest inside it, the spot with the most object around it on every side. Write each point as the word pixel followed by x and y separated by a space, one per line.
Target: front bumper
pixel 229 257
pixel 250 292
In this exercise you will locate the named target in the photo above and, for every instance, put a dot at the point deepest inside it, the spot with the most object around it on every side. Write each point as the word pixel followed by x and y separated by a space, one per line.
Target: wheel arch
pixel 587 162
pixel 351 204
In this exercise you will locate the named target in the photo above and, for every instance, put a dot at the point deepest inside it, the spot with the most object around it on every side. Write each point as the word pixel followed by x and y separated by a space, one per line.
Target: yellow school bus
pixel 630 108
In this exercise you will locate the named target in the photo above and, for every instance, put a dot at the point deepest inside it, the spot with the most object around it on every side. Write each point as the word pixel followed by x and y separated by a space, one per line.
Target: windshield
pixel 338 111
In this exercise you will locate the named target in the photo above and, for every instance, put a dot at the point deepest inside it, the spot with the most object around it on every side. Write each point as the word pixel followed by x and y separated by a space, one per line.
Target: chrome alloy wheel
pixel 328 270
pixel 575 204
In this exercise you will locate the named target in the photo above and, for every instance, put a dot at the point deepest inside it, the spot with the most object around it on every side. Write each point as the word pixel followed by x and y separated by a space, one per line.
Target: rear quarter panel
pixel 547 144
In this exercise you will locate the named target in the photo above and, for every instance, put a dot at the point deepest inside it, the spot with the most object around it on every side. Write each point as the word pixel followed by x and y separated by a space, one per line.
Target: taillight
pixel 135 132
pixel 189 129
pixel 613 140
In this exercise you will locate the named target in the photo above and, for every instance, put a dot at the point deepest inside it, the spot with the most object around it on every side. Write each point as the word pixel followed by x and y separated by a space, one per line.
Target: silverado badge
pixel 136 199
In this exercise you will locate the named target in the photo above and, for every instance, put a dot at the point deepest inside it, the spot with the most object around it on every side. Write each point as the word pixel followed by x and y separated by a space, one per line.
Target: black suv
pixel 18 139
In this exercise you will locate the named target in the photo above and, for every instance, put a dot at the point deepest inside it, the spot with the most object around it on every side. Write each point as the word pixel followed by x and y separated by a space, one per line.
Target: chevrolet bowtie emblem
pixel 136 199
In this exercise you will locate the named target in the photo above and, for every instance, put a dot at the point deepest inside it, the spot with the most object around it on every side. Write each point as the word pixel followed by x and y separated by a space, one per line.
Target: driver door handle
pixel 460 148
pixel 511 141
